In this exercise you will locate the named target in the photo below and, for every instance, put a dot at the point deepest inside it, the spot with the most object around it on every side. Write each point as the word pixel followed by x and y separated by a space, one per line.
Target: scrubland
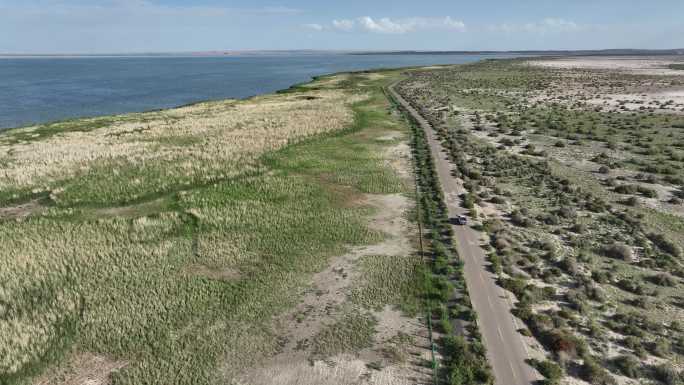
pixel 574 173
pixel 210 243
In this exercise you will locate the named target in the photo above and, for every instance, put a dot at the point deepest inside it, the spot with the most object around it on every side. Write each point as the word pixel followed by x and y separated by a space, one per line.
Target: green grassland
pixel 179 278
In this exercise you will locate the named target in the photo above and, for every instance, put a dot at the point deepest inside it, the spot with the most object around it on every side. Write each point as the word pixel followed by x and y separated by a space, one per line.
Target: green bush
pixel 619 250
pixel 667 374
pixel 627 365
pixel 592 372
pixel 665 244
pixel 661 347
pixel 664 279
pixel 549 369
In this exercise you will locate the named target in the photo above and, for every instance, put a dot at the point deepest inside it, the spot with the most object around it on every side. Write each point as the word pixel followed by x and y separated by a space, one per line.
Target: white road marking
pixel 512 370
pixel 515 323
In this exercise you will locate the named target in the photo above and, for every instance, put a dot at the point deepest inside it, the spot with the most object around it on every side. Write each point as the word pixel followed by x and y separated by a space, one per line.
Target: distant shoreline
pixel 242 53
pixel 249 89
pixel 606 52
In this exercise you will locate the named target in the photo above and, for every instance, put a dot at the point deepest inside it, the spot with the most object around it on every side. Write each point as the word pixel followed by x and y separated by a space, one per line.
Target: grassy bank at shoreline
pixel 160 247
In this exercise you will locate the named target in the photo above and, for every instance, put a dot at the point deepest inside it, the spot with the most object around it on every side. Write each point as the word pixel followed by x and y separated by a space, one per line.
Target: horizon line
pixel 237 52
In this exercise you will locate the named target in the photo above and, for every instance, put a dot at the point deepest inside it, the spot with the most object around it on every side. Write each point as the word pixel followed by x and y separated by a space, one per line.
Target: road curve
pixel 506 350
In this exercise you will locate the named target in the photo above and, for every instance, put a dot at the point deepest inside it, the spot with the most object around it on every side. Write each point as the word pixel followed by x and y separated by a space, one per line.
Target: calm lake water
pixel 38 90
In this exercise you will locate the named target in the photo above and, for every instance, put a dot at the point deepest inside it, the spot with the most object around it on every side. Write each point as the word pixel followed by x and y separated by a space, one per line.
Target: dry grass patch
pixel 188 145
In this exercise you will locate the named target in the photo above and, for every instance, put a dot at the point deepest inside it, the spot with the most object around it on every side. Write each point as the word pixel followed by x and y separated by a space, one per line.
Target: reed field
pixel 108 160
pixel 157 248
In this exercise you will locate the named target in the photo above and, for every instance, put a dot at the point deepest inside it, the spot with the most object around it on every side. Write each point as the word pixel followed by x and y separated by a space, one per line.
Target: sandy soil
pixel 658 101
pixel 20 211
pixel 636 65
pixel 326 300
pixel 590 82
pixel 340 370
pixel 83 369
pixel 399 159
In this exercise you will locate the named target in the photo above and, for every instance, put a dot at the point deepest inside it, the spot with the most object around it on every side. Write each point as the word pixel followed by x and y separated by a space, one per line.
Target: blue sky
pixel 116 26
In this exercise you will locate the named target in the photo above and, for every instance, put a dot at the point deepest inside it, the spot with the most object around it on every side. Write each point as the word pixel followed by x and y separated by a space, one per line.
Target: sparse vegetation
pixel 594 258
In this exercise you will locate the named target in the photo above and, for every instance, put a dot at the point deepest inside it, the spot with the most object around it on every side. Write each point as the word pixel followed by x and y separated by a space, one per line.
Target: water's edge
pixel 79 89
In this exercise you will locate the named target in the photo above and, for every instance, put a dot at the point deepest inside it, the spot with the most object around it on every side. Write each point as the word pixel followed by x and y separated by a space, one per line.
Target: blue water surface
pixel 38 90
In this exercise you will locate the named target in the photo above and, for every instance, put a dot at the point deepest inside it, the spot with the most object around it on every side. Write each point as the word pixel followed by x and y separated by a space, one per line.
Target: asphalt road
pixel 506 350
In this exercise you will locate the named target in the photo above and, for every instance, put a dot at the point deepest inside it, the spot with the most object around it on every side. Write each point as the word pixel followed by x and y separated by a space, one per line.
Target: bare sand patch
pixel 83 369
pixel 340 370
pixel 590 83
pixel 326 300
pixel 329 289
pixel 630 64
pixel 21 211
pixel 657 101
pixel 399 159
pixel 130 211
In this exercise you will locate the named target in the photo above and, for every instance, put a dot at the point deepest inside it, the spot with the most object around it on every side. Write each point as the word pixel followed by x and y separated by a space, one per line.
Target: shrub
pixel 567 212
pixel 661 347
pixel 664 279
pixel 620 251
pixel 507 142
pixel 498 200
pixel 519 219
pixel 561 342
pixel 462 364
pixel 631 286
pixel 667 374
pixel 550 219
pixel 468 201
pixel 627 365
pixel 549 369
pixel 665 244
pixel 596 293
pixel 593 373
pixel 635 344
pixel 569 265
pixel 578 228
pixel 626 189
pixel 647 192
pixel 631 201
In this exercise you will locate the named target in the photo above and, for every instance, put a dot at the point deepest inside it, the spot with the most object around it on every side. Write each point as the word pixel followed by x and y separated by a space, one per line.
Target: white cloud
pixel 387 25
pixel 548 25
pixel 454 24
pixel 343 25
pixel 313 26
